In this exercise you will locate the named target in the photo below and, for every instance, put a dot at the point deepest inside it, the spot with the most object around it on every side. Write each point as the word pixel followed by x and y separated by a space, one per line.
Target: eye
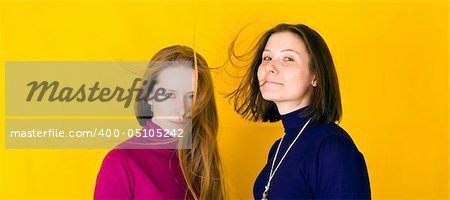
pixel 190 97
pixel 288 59
pixel 267 58
pixel 170 95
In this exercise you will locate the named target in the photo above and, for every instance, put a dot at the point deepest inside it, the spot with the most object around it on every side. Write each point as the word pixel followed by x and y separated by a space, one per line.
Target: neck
pixel 294 121
pixel 287 107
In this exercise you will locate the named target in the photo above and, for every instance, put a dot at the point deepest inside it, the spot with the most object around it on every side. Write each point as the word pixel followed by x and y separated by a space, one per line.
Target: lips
pixel 178 123
pixel 271 83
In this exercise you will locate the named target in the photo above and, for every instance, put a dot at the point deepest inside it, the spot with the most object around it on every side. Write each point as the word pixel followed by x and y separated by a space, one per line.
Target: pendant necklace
pixel 272 171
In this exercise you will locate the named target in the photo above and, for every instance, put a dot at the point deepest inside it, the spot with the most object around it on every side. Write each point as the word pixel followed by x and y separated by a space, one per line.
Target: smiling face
pixel 172 112
pixel 284 75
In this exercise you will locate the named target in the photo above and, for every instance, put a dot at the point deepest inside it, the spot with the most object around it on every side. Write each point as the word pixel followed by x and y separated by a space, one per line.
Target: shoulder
pixel 324 130
pixel 116 160
pixel 330 141
pixel 128 158
pixel 123 161
pixel 328 133
pixel 337 167
pixel 337 146
pixel 113 179
pixel 119 155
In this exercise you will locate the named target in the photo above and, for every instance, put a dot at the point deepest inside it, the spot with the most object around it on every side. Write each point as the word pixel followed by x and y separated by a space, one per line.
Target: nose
pixel 267 68
pixel 271 67
pixel 183 108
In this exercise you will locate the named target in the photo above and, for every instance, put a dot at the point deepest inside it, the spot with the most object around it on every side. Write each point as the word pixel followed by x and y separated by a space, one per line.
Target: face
pixel 284 75
pixel 178 84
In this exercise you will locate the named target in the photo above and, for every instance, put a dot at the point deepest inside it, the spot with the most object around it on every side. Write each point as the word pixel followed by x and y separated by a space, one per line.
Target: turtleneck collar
pixel 294 121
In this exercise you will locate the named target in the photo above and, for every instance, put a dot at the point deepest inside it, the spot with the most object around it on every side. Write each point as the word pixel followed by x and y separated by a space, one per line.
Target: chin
pixel 271 97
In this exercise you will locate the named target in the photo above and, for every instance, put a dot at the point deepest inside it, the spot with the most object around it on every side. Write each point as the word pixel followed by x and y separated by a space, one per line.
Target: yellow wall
pixel 391 58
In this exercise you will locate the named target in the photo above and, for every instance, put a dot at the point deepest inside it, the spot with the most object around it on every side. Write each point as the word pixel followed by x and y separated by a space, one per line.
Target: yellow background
pixel 391 58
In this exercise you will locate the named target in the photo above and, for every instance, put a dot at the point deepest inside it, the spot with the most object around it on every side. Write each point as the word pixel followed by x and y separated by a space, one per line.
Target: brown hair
pixel 201 165
pixel 325 105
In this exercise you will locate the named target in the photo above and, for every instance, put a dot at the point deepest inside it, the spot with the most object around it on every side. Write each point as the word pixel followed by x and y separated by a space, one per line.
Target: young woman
pixel 292 78
pixel 137 169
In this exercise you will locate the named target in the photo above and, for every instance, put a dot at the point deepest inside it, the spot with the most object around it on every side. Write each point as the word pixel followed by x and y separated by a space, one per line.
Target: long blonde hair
pixel 201 164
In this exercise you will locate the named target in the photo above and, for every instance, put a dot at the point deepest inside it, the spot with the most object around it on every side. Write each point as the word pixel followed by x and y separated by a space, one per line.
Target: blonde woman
pixel 133 172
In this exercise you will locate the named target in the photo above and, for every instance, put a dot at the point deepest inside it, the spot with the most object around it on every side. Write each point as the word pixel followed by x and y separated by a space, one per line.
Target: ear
pixel 314 81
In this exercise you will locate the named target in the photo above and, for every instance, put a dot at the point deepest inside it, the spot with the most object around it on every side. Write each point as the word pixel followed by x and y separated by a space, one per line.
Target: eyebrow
pixel 285 50
pixel 170 90
pixel 175 91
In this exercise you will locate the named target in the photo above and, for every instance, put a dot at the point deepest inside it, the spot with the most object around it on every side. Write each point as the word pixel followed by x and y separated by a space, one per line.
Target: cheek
pixel 298 79
pixel 261 73
pixel 291 74
pixel 161 108
pixel 188 106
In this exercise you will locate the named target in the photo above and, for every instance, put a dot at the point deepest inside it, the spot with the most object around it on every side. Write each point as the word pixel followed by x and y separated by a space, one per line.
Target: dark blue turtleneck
pixel 323 163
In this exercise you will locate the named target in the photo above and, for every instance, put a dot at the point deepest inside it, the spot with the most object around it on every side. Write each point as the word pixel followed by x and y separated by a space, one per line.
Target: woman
pixel 152 168
pixel 292 78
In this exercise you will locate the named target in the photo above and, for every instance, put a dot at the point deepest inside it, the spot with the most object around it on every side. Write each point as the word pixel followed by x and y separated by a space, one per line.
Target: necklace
pixel 272 171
